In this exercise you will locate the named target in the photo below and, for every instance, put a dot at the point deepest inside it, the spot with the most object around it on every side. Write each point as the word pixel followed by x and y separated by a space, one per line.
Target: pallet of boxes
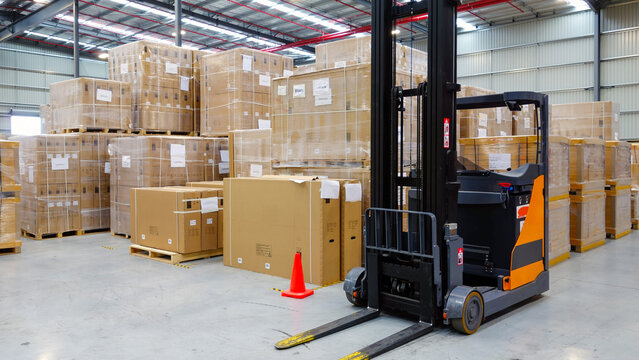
pixel 634 172
pixel 618 189
pixel 10 187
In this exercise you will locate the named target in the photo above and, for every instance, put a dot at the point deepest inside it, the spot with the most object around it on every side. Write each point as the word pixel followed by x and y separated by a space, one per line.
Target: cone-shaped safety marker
pixel 298 289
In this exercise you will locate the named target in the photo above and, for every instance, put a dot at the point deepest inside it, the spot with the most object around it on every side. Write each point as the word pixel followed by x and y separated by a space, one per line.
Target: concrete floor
pixel 86 298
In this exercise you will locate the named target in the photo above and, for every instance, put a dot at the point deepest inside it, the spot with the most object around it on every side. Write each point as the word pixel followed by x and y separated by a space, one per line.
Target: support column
pixel 597 56
pixel 76 39
pixel 178 22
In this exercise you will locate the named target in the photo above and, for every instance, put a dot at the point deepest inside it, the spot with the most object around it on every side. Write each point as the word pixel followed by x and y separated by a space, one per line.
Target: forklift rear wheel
pixel 355 287
pixel 472 314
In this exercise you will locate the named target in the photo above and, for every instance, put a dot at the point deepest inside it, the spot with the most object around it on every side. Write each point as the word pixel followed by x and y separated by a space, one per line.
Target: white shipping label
pixel 224 168
pixel 224 155
pixel 498 114
pixel 299 91
pixel 193 222
pixel 210 161
pixel 126 161
pixel 265 80
pixel 267 266
pixel 481 132
pixel 281 90
pixel 51 204
pixel 184 83
pixel 321 87
pixel 256 170
pixel 239 260
pixel 526 123
pixel 340 64
pixel 502 133
pixel 323 100
pixel 124 68
pixel 287 73
pixel 353 192
pixel 170 68
pixel 209 204
pixel 75 203
pixel 103 95
pixel 616 136
pixel 178 155
pixel 59 163
pixel 329 189
pixel 483 120
pixel 58 204
pixel 263 124
pixel 143 236
pixel 498 161
pixel 30 173
pixel 107 167
pixel 209 221
pixel 247 62
pixel 169 241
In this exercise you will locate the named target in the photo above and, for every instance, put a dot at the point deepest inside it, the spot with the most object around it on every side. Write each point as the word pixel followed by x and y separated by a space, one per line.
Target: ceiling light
pixel 578 4
pixel 103 55
pixel 395 32
pixel 464 25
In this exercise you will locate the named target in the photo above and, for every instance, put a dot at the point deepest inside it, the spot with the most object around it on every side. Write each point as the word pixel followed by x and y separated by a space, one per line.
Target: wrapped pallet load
pixel 618 183
pixel 10 188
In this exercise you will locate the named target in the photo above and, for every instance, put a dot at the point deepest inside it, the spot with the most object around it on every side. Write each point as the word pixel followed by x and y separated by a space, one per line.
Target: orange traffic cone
pixel 298 289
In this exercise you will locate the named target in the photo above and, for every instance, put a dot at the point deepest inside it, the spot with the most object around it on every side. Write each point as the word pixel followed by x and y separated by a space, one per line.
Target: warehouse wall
pixel 556 56
pixel 26 71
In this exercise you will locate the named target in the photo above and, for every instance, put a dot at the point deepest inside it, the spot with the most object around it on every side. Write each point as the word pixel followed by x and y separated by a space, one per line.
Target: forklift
pixel 473 242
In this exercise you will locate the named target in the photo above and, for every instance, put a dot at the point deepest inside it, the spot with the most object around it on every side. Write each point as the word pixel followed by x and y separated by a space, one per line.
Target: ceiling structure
pixel 291 27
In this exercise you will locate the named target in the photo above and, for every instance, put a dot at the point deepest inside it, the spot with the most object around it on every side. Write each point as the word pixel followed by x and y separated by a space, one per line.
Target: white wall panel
pixel 514 58
pixel 620 43
pixel 567 97
pixel 482 81
pixel 513 81
pixel 566 77
pixel 472 64
pixel 628 128
pixel 620 17
pixel 620 71
pixel 626 96
pixel 565 51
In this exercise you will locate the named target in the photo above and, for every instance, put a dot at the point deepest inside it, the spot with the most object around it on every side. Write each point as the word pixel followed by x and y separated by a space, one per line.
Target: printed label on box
pixel 263 124
pixel 329 189
pixel 224 168
pixel 31 173
pixel 103 95
pixel 526 123
pixel 184 83
pixel 281 90
pixel 75 203
pixel 170 241
pixel 299 91
pixel 287 73
pixel 209 221
pixel 498 114
pixel 209 204
pixel 502 133
pixel 224 155
pixel 170 68
pixel 59 163
pixel 193 222
pixel 126 161
pixel 58 204
pixel 321 87
pixel 178 155
pixel 352 192
pixel 483 120
pixel 323 100
pixel 124 68
pixel 481 132
pixel 247 62
pixel 51 204
pixel 340 64
pixel 143 236
pixel 499 161
pixel 107 167
pixel 256 170
pixel 265 80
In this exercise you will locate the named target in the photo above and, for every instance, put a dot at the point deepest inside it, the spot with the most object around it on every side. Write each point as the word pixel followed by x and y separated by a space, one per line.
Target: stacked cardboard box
pixel 267 220
pixel 45 119
pixel 214 218
pixel 634 164
pixel 50 174
pixel 482 122
pixel 236 89
pixel 525 121
pixel 197 74
pixel 161 78
pixel 634 208
pixel 618 180
pixel 153 161
pixel 216 158
pixel 10 190
pixel 587 182
pixel 85 103
pixel 250 152
pixel 179 219
pixel 586 120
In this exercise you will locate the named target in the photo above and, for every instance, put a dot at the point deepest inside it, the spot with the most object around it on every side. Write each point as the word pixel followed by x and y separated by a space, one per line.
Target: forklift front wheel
pixel 472 314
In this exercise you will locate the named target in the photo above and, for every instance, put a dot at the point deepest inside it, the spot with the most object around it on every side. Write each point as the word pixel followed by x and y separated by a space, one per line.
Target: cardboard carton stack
pixel 161 78
pixel 634 164
pixel 482 122
pixel 250 153
pixel 235 89
pixel 634 208
pixel 213 222
pixel 525 121
pixel 586 120
pixel 587 197
pixel 90 104
pixel 10 188
pixel 50 175
pixel 618 180
pixel 267 220
pixel 216 158
pixel 197 74
pixel 154 161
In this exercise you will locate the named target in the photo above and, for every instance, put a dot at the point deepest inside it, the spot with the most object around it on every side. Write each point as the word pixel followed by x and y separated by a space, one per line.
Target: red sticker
pixel 460 256
pixel 446 133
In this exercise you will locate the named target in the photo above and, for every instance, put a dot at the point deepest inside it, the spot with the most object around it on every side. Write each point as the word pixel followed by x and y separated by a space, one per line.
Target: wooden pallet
pixel 51 235
pixel 576 246
pixel 92 231
pixel 90 130
pixel 170 257
pixel 635 224
pixel 164 132
pixel 13 247
pixel 618 183
pixel 591 186
pixel 321 164
pixel 613 235
pixel 559 259
pixel 124 236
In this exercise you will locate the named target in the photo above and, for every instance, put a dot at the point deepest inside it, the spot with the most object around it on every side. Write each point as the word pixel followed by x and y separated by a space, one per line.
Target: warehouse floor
pixel 86 298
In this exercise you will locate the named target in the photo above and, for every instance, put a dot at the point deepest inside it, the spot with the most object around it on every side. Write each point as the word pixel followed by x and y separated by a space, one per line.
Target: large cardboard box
pixel 250 153
pixel 618 212
pixel 9 220
pixel 216 158
pixel 559 227
pixel 219 226
pixel 525 121
pixel 482 122
pixel 267 220
pixel 235 89
pixel 85 103
pixel 587 164
pixel 351 243
pixel 634 164
pixel 634 206
pixel 618 154
pixel 587 221
pixel 9 166
pixel 161 78
pixel 586 120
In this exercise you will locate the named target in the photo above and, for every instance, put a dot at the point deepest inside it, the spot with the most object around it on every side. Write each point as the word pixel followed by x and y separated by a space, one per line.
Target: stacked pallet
pixel 10 188
pixel 599 120
pixel 587 196
pixel 634 208
pixel 618 194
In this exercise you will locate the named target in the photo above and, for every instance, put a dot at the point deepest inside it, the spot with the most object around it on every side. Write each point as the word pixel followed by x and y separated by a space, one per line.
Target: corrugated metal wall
pixel 27 71
pixel 556 56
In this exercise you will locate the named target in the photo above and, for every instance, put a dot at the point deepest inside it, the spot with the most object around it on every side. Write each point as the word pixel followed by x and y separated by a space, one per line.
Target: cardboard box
pixel 587 164
pixel 618 212
pixel 9 223
pixel 618 155
pixel 45 119
pixel 634 206
pixel 351 242
pixel 216 158
pixel 482 122
pixel 586 120
pixel 219 228
pixel 559 227
pixel 85 103
pixel 524 121
pixel 587 221
pixel 9 166
pixel 267 220
pixel 250 153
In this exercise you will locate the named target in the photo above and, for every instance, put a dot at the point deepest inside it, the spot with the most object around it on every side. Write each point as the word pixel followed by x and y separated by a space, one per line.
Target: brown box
pixel 85 103
pixel 216 158
pixel 219 187
pixel 9 223
pixel 634 206
pixel 9 166
pixel 618 213
pixel 45 119
pixel 618 161
pixel 267 220
pixel 250 153
pixel 587 221
pixel 559 227
pixel 586 120
pixel 235 89
pixel 587 164
pixel 351 226
pixel 524 121
pixel 482 122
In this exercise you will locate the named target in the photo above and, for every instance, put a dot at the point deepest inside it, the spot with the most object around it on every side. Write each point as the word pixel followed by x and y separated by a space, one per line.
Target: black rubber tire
pixel 472 314
pixel 357 301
